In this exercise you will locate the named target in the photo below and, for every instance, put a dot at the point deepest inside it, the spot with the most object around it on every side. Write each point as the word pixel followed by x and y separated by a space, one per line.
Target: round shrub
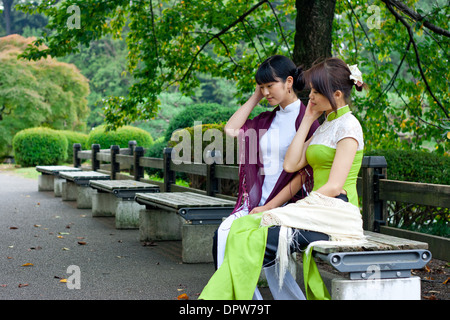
pixel 207 113
pixel 74 137
pixel 119 137
pixel 39 146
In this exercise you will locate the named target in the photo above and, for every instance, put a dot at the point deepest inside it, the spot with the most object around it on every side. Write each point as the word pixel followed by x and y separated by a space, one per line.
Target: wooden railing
pixel 373 186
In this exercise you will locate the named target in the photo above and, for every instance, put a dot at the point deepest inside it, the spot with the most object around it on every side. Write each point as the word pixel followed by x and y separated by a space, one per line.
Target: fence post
pixel 115 166
pixel 76 160
pixel 138 169
pixel 95 163
pixel 374 209
pixel 212 183
pixel 169 175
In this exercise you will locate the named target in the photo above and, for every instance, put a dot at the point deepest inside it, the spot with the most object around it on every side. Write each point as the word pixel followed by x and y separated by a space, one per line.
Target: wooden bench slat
pixel 178 200
pixel 121 184
pixel 375 242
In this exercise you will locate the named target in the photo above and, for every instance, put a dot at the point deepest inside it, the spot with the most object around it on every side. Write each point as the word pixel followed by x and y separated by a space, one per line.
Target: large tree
pixel 37 93
pixel 402 47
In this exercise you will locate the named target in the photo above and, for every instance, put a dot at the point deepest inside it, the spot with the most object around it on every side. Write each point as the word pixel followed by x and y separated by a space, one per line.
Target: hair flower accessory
pixel 356 75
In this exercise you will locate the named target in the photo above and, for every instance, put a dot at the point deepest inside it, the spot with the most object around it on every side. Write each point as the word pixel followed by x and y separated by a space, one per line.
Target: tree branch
pixel 281 28
pixel 220 33
pixel 417 17
pixel 419 64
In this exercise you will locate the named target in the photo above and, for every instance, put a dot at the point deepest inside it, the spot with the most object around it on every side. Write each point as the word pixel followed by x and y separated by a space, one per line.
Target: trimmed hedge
pixel 74 137
pixel 39 146
pixel 119 137
pixel 417 166
pixel 207 113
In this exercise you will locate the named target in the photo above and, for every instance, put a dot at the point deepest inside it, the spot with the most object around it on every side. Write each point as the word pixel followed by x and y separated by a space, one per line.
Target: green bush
pixel 206 113
pixel 39 146
pixel 119 137
pixel 417 166
pixel 156 150
pixel 74 137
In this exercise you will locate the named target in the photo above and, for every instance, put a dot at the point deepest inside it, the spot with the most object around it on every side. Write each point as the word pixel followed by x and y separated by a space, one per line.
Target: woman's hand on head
pixel 258 94
pixel 311 112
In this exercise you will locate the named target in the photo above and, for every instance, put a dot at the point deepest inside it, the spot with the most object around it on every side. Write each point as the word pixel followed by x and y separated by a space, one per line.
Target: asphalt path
pixel 45 240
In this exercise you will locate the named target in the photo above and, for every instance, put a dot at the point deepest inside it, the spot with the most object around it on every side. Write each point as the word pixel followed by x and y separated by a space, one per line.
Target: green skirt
pixel 238 275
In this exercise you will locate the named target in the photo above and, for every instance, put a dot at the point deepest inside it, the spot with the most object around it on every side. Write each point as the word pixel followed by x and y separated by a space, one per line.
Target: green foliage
pixel 39 146
pixel 417 166
pixel 206 113
pixel 74 137
pixel 37 93
pixel 119 137
pixel 174 43
pixel 400 110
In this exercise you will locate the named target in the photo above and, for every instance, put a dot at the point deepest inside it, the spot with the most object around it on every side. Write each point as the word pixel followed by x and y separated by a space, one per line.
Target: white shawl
pixel 339 219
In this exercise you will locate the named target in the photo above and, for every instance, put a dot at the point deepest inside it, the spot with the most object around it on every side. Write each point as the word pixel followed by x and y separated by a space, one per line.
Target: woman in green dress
pixel 330 212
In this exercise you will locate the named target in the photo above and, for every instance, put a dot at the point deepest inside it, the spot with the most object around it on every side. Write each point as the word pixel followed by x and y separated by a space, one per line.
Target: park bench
pixel 378 269
pixel 186 216
pixel 76 186
pixel 116 198
pixel 49 179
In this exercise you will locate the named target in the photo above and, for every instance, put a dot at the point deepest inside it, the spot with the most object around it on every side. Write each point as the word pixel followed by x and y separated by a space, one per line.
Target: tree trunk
pixel 312 40
pixel 7 7
pixel 313 31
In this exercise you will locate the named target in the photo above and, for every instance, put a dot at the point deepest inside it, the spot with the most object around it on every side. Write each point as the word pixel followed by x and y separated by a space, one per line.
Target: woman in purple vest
pixel 263 142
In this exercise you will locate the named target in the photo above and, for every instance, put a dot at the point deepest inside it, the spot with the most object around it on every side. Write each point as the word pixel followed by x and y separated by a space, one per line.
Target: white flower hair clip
pixel 356 75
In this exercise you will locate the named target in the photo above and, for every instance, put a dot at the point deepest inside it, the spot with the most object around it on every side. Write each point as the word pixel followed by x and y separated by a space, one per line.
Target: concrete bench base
pixel 197 242
pixel 57 186
pixel 126 212
pixel 376 289
pixel 73 192
pixel 156 224
pixel 45 182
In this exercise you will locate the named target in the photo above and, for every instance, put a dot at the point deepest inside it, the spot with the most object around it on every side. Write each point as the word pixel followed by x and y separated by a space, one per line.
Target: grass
pixel 29 172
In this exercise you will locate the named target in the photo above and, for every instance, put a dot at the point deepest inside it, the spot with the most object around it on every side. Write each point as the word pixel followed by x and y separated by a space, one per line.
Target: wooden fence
pixel 373 185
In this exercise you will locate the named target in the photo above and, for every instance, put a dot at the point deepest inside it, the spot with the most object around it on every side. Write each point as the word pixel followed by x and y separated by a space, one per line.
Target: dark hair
pixel 276 68
pixel 328 76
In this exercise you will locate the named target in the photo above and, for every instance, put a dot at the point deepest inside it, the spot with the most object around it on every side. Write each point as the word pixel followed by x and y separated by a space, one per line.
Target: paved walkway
pixel 49 235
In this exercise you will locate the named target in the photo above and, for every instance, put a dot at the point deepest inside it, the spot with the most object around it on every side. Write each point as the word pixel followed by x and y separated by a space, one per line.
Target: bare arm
pixel 238 119
pixel 342 163
pixel 284 195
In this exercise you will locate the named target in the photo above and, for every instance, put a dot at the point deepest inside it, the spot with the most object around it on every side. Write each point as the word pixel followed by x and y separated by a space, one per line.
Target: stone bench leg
pixel 57 186
pixel 84 197
pixel 103 204
pixel 127 214
pixel 376 289
pixel 69 191
pixel 197 242
pixel 45 182
pixel 156 224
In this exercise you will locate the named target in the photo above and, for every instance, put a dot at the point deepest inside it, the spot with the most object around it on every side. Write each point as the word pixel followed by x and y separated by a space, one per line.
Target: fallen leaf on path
pixel 28 264
pixel 63 280
pixel 446 280
pixel 183 296
pixel 13 228
pixel 82 243
pixel 23 285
